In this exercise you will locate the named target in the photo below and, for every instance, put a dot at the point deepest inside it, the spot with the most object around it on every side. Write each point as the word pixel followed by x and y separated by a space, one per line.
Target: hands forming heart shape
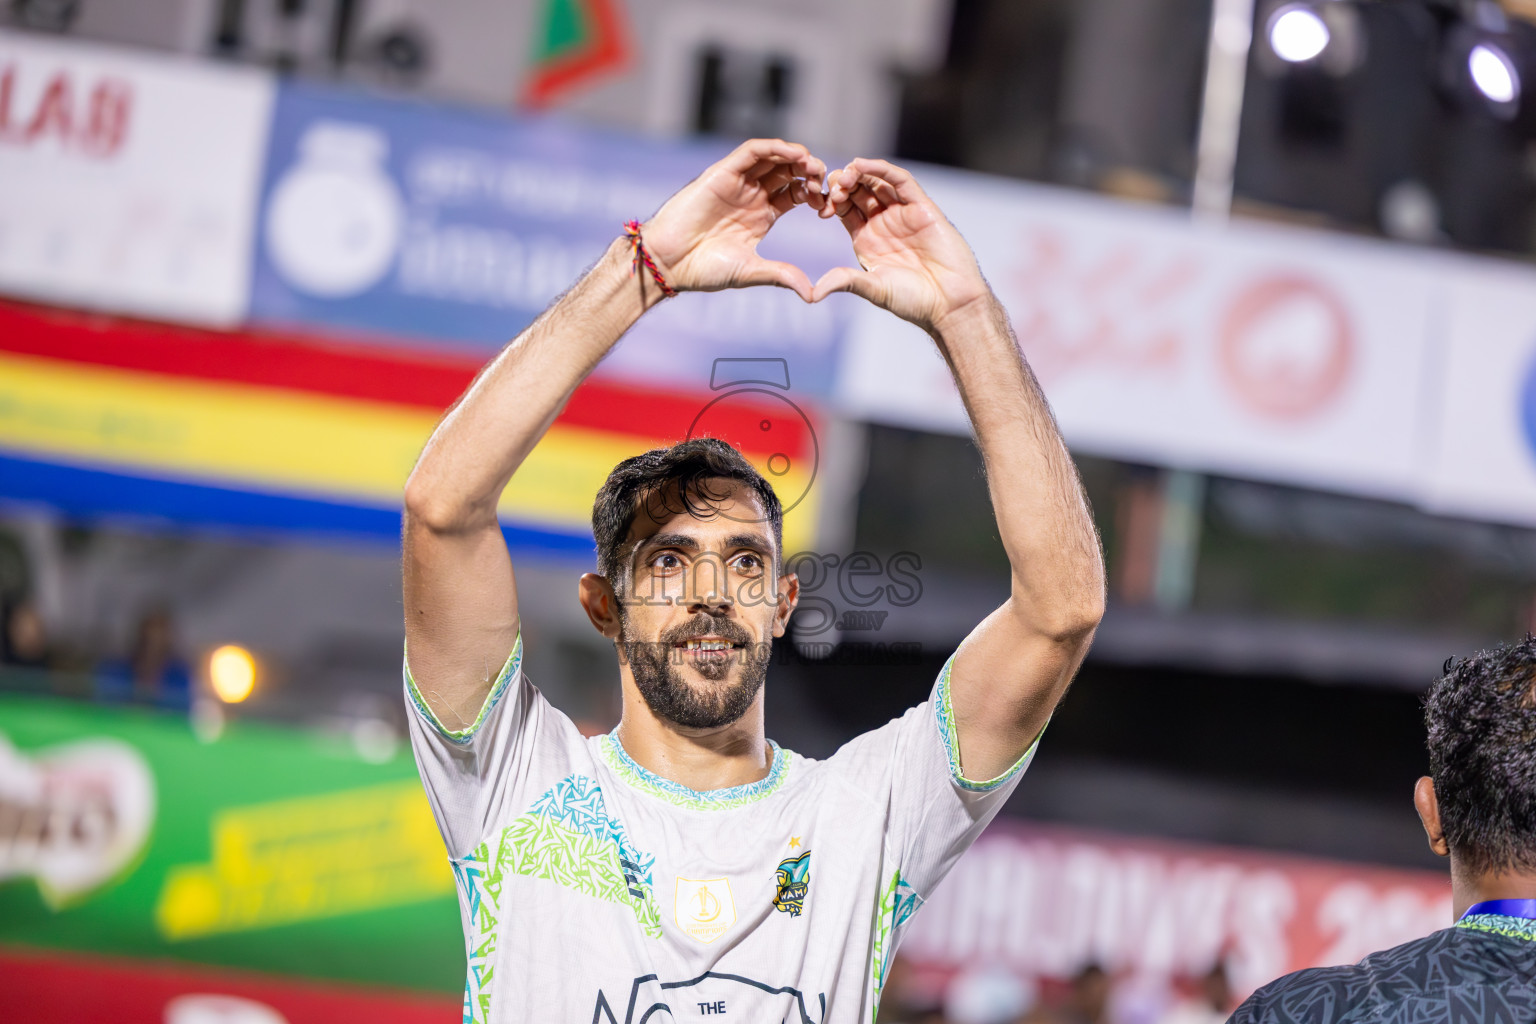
pixel 912 261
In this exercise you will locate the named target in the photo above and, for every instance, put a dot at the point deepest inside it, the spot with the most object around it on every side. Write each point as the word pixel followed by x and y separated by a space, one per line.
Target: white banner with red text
pixel 130 181
pixel 1251 350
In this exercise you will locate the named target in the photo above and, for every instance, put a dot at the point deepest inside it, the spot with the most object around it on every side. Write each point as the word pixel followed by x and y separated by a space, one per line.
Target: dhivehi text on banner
pixel 1257 351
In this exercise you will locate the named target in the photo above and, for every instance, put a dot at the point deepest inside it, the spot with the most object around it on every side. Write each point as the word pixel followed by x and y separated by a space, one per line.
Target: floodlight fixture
pixel 1298 33
pixel 1494 74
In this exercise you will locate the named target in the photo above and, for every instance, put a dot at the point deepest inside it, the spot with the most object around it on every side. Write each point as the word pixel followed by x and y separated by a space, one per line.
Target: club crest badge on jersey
pixel 794 881
pixel 704 907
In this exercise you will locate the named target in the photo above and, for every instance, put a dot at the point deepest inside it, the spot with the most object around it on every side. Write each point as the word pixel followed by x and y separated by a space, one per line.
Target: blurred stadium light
pixel 1297 33
pixel 1494 74
pixel 231 673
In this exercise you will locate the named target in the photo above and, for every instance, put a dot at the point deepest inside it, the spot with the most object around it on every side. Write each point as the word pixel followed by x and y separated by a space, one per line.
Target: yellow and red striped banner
pixel 325 425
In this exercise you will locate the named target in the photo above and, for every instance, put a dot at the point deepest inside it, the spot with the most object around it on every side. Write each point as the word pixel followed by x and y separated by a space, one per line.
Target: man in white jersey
pixel 685 867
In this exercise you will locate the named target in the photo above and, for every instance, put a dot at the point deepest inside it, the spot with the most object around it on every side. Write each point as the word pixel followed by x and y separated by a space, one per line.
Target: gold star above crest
pixel 794 842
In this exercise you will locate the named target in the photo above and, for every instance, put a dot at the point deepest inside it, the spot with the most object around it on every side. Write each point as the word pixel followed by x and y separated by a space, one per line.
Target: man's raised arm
pixel 1013 668
pixel 461 616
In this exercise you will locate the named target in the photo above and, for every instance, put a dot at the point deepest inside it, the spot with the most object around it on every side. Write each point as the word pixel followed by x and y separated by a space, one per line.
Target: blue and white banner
pixel 395 219
pixel 1483 414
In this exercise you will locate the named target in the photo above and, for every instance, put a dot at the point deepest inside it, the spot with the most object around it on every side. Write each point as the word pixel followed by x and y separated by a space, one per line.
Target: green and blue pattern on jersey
pixel 479 879
pixel 945 712
pixel 626 768
pixel 509 670
pixel 898 902
pixel 1500 924
pixel 566 837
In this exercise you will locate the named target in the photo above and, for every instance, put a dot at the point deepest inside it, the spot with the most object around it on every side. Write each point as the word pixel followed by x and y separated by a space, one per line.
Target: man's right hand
pixel 705 237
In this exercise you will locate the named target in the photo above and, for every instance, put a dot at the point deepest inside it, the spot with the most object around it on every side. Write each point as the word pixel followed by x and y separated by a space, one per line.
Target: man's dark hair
pixel 674 479
pixel 1481 719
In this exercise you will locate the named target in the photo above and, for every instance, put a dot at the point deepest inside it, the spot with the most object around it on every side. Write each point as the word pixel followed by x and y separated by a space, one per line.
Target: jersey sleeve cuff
pixel 945 713
pixel 504 679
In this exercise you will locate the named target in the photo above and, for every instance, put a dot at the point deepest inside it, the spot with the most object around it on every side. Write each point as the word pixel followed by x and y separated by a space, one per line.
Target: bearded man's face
pixel 702 608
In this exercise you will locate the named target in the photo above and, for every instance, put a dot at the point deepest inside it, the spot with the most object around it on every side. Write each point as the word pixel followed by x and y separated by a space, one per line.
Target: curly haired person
pixel 1478 805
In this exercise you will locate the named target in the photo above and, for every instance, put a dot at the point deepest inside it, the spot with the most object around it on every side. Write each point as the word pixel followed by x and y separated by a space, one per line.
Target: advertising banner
pixel 1256 351
pixel 1047 902
pixel 186 192
pixel 280 433
pixel 440 225
pixel 1483 413
pixel 123 834
pixel 130 180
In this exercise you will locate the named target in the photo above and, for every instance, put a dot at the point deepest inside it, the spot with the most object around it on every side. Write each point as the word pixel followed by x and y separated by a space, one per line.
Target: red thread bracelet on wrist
pixel 639 255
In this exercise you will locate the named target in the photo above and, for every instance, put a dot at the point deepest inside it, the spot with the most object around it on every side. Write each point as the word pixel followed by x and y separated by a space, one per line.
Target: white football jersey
pixel 593 891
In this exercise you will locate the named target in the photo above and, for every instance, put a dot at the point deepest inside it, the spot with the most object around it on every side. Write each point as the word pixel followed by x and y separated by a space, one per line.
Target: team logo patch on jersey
pixel 794 881
pixel 704 907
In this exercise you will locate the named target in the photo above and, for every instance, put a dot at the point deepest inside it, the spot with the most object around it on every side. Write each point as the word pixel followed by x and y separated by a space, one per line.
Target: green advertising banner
pixel 269 848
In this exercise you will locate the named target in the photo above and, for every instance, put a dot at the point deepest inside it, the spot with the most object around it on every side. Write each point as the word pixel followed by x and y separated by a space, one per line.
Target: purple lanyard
pixel 1507 908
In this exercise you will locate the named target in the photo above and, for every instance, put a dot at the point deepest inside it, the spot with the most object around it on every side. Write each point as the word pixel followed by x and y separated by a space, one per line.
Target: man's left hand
pixel 914 263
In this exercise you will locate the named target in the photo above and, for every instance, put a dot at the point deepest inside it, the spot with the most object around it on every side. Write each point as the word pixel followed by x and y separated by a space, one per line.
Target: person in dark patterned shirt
pixel 1478 806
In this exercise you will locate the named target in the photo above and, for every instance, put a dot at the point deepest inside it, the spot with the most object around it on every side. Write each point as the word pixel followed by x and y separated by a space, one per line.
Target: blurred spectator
pixel 1088 1001
pixel 1141 999
pixel 154 672
pixel 904 1000
pixel 988 995
pixel 1211 1006
pixel 24 641
pixel 926 1013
